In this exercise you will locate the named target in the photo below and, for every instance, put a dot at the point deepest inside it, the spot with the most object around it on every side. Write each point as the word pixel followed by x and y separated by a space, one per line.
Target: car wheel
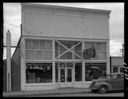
pixel 102 89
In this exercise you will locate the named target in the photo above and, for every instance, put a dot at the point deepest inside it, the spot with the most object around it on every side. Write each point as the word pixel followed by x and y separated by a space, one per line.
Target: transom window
pixel 97 48
pixel 38 49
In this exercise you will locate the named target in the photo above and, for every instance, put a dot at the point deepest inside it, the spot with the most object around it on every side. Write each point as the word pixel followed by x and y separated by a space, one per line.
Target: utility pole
pixel 8 54
pixel 122 50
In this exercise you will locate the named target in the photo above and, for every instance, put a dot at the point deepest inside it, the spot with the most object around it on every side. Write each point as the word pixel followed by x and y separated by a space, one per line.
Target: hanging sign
pixel 88 53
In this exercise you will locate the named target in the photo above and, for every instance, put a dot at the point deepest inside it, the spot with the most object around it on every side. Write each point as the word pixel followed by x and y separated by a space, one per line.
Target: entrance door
pixel 66 74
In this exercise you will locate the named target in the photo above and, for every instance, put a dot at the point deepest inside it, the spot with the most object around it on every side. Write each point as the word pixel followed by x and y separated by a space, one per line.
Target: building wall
pixel 15 70
pixel 43 21
pixel 62 23
pixel 117 62
pixel 4 75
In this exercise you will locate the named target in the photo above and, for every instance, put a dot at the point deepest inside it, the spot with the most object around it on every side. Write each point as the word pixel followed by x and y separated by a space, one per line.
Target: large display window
pixel 38 73
pixel 94 71
pixel 78 71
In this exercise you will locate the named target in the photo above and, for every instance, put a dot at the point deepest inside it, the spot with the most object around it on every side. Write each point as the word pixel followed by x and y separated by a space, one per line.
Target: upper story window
pixel 94 50
pixel 38 49
pixel 68 49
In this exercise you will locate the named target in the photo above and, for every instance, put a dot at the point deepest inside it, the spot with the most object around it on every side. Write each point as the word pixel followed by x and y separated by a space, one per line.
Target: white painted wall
pixel 40 21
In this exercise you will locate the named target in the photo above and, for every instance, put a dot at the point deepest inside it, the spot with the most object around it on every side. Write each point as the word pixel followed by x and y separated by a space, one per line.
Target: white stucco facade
pixel 57 24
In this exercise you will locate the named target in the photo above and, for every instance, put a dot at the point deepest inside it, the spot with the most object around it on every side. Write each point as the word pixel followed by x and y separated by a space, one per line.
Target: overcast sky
pixel 12 21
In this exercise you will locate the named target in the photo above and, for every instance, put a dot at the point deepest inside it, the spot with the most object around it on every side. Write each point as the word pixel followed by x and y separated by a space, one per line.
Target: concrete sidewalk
pixel 45 92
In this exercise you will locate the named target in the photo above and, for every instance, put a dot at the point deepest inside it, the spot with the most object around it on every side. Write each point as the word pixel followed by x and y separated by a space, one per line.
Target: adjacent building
pixel 117 64
pixel 60 47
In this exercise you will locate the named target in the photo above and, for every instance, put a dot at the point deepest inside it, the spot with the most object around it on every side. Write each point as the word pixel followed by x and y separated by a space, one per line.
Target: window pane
pixel 68 44
pixel 89 45
pixel 56 67
pixel 78 71
pixel 42 44
pixel 48 55
pixel 115 69
pixel 100 47
pixel 121 69
pixel 38 72
pixel 99 50
pixel 67 55
pixel 62 75
pixel 48 45
pixel 39 55
pixel 100 55
pixel 69 75
pixel 59 49
pixel 29 54
pixel 94 71
pixel 35 44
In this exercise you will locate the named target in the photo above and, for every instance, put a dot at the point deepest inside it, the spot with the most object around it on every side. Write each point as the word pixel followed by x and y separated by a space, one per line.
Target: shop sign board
pixel 88 53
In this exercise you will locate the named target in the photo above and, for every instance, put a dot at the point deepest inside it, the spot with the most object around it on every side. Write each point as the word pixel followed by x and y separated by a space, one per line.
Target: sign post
pixel 8 54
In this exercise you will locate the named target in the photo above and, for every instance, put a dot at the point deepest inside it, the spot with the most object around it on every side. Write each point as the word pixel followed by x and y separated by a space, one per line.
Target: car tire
pixel 102 89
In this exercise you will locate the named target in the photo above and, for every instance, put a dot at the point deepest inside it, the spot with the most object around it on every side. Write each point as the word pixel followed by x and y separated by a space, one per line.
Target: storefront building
pixel 117 64
pixel 61 47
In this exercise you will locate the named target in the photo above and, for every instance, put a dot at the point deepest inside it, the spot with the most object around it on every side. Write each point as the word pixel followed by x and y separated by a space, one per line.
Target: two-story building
pixel 60 47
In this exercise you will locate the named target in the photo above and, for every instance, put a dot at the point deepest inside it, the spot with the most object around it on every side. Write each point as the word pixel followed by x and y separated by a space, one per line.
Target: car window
pixel 114 77
pixel 118 76
pixel 121 76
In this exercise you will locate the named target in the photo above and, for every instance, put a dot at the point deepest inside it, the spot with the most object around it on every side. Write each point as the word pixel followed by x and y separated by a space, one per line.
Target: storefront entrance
pixel 65 74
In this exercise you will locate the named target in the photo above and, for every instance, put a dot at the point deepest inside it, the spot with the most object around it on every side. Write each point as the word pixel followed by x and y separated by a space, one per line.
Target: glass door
pixel 69 75
pixel 62 75
pixel 65 75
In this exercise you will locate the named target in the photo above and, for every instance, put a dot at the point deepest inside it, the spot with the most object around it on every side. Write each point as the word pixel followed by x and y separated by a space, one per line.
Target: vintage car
pixel 110 82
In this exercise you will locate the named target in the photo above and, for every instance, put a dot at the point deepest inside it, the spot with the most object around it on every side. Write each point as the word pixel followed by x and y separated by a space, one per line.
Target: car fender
pixel 109 87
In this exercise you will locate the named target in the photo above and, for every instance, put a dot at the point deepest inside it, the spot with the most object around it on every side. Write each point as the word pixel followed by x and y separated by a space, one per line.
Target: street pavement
pixel 62 92
pixel 86 94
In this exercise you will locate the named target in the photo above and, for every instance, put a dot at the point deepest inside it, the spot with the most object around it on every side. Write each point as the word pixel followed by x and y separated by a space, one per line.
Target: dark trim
pixel 110 64
pixel 18 45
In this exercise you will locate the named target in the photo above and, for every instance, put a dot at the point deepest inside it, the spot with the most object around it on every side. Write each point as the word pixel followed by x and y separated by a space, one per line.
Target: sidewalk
pixel 45 92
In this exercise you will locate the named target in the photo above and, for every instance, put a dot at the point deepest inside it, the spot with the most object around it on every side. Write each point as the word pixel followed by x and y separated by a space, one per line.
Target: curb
pixel 42 93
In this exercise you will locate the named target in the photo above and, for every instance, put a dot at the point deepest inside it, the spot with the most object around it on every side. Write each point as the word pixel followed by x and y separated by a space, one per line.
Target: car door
pixel 120 80
pixel 116 82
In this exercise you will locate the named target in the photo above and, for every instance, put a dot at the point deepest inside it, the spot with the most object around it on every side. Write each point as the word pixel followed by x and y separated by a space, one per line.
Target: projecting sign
pixel 88 53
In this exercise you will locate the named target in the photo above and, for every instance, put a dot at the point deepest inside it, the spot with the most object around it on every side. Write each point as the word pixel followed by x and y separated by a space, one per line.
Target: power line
pixel 12 25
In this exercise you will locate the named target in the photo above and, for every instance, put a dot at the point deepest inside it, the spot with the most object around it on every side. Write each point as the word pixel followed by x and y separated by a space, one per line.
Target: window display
pixel 94 71
pixel 78 71
pixel 38 72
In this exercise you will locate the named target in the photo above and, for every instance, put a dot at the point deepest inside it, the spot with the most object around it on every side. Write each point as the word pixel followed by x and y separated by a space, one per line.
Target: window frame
pixel 39 83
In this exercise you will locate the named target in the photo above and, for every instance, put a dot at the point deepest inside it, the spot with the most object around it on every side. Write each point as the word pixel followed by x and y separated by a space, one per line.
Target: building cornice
pixel 66 8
